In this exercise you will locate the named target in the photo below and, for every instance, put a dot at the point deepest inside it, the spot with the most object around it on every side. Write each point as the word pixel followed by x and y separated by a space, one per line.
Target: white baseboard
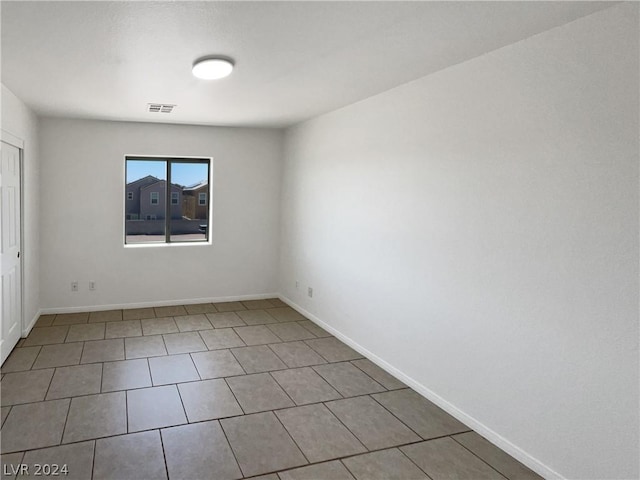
pixel 30 325
pixel 494 437
pixel 191 301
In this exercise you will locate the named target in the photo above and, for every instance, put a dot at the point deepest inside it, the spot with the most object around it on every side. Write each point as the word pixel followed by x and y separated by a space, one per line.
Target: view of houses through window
pixel 166 200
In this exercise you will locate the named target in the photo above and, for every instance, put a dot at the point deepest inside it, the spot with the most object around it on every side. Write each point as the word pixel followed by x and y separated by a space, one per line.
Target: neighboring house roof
pixel 146 179
pixel 146 187
pixel 196 186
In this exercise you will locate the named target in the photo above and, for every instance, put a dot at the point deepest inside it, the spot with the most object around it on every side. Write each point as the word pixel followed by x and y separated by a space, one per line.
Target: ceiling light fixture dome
pixel 212 68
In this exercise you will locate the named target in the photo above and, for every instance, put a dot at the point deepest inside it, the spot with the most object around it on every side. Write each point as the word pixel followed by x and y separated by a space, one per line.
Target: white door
pixel 11 299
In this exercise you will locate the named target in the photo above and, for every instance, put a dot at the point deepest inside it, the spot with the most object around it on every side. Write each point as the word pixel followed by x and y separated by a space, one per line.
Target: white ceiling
pixel 294 60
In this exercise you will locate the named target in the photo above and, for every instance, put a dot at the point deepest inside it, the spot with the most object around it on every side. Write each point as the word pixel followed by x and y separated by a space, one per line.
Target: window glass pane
pixel 189 219
pixel 145 212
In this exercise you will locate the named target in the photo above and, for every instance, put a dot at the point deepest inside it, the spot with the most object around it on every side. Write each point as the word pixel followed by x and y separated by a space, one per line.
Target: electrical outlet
pixel 92 285
pixel 74 286
pixel 310 292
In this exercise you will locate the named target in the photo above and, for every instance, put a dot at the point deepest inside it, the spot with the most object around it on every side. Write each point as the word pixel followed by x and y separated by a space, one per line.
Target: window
pixel 171 193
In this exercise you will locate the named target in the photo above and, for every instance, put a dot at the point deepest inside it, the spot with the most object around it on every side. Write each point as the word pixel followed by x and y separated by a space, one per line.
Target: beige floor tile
pixel 170 311
pixel 304 385
pixel 374 426
pixel 384 465
pixel 20 359
pixel 276 302
pixel 78 459
pixel 256 317
pixel 318 433
pixel 46 336
pixel 334 470
pixel 297 354
pixel 286 314
pixel 60 355
pixel 45 321
pixel 135 456
pixel 261 444
pixel 125 375
pixel 348 380
pixel 229 306
pixel 385 379
pixel 87 331
pixel 158 326
pixel 225 319
pixel 313 328
pixel 422 416
pixel 34 425
pixel 258 393
pixel 75 381
pixel 499 460
pixel 444 458
pixel 139 347
pixel 126 328
pixel 190 323
pixel 333 350
pixel 103 350
pixel 138 313
pixel 105 316
pixel 208 400
pixel 70 318
pixel 154 407
pixel 221 338
pixel 200 308
pixel 216 364
pixel 290 331
pixel 257 359
pixel 25 387
pixel 198 452
pixel 172 369
pixel 256 335
pixel 256 304
pixel 96 416
pixel 184 343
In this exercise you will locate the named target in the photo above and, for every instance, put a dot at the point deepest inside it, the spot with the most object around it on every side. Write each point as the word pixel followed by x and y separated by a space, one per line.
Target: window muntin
pixel 202 199
pixel 168 207
pixel 129 195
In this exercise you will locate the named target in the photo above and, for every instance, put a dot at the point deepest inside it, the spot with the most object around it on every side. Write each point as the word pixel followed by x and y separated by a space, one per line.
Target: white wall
pixel 477 230
pixel 20 121
pixel 82 187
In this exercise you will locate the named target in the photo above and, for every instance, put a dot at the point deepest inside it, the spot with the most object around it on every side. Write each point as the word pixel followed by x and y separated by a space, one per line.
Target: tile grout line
pixel 451 436
pixel 414 463
pixel 164 453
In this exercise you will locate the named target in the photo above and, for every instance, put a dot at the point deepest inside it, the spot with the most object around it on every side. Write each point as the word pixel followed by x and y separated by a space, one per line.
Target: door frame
pixel 11 139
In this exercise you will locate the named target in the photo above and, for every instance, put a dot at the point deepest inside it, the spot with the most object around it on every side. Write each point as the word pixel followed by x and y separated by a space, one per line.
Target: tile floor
pixel 222 391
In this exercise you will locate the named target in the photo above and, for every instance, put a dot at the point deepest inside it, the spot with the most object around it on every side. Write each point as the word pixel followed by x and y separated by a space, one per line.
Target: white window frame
pixel 129 195
pixel 157 198
pixel 177 198
pixel 202 199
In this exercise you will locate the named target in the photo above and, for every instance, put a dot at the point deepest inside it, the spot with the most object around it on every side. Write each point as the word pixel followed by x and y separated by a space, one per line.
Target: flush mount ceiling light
pixel 212 68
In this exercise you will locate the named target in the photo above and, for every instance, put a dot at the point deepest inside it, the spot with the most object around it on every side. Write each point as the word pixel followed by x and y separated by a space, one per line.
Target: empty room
pixel 320 240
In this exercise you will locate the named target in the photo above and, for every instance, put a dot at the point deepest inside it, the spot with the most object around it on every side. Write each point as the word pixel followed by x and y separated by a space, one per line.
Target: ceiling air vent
pixel 160 107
